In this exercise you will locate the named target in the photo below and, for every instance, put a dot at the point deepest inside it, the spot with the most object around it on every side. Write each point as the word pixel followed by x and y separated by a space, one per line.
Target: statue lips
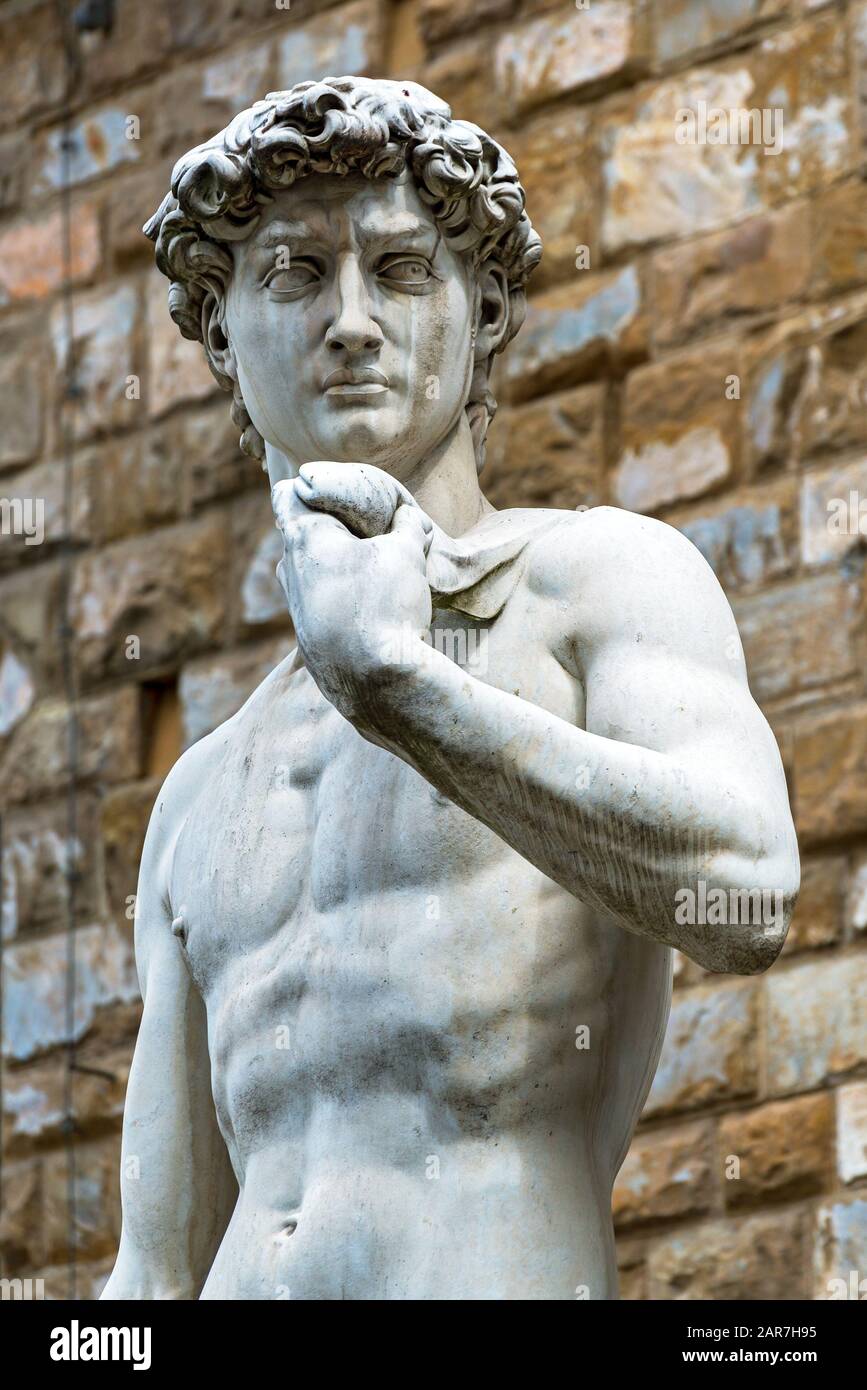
pixel 356 382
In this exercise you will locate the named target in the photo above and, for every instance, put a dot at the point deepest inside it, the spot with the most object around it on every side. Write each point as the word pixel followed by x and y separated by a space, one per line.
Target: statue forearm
pixel 624 828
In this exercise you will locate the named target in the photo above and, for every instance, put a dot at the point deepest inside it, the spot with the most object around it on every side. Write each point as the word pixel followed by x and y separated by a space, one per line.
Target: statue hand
pixel 360 606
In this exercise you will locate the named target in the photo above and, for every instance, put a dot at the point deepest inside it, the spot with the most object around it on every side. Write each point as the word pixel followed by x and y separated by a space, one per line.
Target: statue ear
pixel 218 349
pixel 492 312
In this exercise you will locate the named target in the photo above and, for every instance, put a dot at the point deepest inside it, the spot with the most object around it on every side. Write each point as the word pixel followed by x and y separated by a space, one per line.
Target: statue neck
pixel 445 484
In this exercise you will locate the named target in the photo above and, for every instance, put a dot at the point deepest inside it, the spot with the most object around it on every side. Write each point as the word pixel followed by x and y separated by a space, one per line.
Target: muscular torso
pixel 394 998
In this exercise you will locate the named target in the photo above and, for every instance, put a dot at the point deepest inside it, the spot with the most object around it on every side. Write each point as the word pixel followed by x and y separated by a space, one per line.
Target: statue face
pixel 353 342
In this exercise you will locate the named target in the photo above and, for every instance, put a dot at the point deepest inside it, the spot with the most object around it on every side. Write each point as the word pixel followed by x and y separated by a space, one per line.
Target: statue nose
pixel 353 328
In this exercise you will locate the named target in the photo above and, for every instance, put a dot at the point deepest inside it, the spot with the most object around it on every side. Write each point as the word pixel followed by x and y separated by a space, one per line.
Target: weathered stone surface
pixel 238 78
pixel 801 635
pixel 558 163
pixel 839 239
pixel 665 1175
pixel 213 465
pixel 41 491
pixel 839 1255
pixel 655 188
pixel 749 269
pixel 564 52
pixel 680 434
pixel 212 689
pixel 632 1269
pixel 17 691
pixel 257 547
pixel 36 761
pixel 803 72
pixel 177 367
pixel 96 1226
pixel 136 482
pixel 690 26
pixel 574 330
pixel 33 253
pixel 39 854
pixel 21 1229
pixel 748 539
pixel 34 1014
pixel 819 914
pixel 830 411
pixel 816 1022
pixel 33 63
pixel 830 771
pixel 98 143
pixel 709 1054
pixel 35 1098
pixel 783 1151
pixel 462 77
pixel 21 395
pixel 832 517
pixel 101 346
pixel 759 1258
pixel 856 904
pixel 29 645
pixel 125 813
pixel 852 1131
pixel 442 19
pixel 167 591
pixel 549 453
pixel 323 48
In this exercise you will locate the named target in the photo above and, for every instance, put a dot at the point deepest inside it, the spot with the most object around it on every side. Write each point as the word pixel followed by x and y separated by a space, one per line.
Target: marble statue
pixel 405 922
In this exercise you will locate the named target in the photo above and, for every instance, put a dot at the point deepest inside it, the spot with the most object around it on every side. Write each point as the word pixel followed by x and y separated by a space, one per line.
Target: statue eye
pixel 297 276
pixel 409 270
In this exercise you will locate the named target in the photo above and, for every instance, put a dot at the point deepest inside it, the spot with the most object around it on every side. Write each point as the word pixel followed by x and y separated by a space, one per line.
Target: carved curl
pixel 340 126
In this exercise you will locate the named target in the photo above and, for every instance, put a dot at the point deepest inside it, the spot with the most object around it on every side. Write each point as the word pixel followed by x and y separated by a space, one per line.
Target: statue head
pixel 352 260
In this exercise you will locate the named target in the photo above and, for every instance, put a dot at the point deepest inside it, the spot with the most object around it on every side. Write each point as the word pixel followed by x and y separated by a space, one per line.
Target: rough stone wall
pixel 703 360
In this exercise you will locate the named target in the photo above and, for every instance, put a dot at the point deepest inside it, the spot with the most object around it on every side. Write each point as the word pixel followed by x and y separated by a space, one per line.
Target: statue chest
pixel 301 821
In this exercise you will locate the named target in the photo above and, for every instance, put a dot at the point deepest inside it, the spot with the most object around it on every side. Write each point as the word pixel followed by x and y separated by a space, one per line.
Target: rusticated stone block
pixel 709 1054
pixel 817 1022
pixel 852 1131
pixel 665 1175
pixel 748 269
pixel 95 1228
pixel 576 330
pixel 840 1252
pixel 566 51
pixel 39 855
pixel 125 813
pixel 166 590
pixel 801 636
pixel 783 1151
pixel 35 259
pixel 35 1012
pixel 680 432
pixel 101 346
pixel 830 772
pixel 21 1227
pixel 212 689
pixel 549 453
pixel 761 1257
pixel 747 539
pixel 330 45
pixel 818 916
pixel 37 760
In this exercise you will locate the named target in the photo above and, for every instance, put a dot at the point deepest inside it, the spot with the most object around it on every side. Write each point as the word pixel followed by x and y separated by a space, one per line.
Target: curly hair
pixel 342 125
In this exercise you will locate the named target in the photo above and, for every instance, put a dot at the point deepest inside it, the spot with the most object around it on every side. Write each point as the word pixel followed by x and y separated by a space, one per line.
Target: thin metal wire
pixel 65 637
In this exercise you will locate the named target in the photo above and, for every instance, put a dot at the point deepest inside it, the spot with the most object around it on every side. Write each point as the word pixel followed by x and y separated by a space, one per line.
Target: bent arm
pixel 177 1185
pixel 676 779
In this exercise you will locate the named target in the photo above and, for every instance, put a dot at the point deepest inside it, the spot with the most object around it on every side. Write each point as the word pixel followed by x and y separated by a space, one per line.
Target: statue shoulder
pixel 613 571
